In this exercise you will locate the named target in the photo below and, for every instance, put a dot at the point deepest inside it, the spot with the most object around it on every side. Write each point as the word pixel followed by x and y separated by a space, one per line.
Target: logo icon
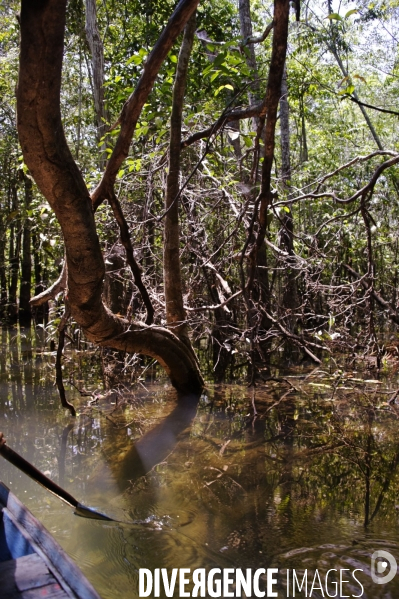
pixel 380 562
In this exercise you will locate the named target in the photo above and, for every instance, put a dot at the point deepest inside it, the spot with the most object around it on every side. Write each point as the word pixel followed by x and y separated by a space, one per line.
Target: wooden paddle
pixel 14 458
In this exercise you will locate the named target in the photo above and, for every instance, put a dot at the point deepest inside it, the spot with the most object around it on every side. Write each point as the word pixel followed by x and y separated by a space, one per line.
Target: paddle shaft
pixel 81 510
pixel 14 458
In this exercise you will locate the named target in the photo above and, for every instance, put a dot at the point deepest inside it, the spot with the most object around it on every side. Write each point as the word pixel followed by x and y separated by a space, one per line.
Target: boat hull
pixel 32 563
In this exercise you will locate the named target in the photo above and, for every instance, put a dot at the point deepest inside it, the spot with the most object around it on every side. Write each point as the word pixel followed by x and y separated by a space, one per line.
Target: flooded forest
pixel 199 285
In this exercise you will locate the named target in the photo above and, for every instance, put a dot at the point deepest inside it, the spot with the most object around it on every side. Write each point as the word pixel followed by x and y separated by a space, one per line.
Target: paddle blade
pixel 89 512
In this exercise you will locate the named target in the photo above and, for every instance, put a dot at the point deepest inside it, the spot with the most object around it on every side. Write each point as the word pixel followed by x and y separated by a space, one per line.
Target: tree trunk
pixel 175 313
pixel 3 276
pixel 256 289
pixel 286 234
pixel 14 257
pixel 40 312
pixel 244 10
pixel 304 156
pixel 59 179
pixel 25 313
pixel 273 94
pixel 97 62
pixel 285 132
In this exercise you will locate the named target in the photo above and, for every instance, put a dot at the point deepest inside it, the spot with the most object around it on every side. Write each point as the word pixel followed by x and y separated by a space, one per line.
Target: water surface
pixel 298 473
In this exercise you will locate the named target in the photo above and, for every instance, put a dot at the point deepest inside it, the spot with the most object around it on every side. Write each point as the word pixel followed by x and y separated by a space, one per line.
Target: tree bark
pixel 50 161
pixel 175 313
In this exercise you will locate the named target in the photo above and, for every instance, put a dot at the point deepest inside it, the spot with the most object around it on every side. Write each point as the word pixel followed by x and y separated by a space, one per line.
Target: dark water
pixel 300 474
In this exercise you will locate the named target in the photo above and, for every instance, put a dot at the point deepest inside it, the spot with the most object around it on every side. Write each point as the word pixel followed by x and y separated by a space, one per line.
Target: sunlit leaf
pixel 334 16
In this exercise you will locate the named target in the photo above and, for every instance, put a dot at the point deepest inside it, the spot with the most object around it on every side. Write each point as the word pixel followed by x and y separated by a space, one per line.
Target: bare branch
pixel 259 40
pixel 233 115
pixel 392 313
pixel 204 308
pixel 360 103
pixel 361 192
pixel 134 267
pixel 52 292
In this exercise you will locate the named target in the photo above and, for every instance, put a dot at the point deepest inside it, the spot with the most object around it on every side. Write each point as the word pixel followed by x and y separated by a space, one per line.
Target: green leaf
pixel 135 58
pixel 12 215
pixel 334 16
pixel 207 69
pixel 353 11
pixel 220 58
pixel 228 86
pixel 173 58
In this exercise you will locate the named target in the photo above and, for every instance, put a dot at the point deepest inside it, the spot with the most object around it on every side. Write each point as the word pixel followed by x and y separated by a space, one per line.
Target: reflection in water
pixel 310 483
pixel 157 443
pixel 62 456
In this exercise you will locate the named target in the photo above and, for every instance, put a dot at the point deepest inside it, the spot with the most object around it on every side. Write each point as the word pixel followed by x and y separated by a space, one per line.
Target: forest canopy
pixel 210 184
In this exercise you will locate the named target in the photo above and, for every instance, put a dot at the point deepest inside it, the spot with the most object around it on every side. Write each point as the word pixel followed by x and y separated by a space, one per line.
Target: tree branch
pixel 392 313
pixel 52 292
pixel 233 115
pixel 259 40
pixel 361 192
pixel 360 103
pixel 133 106
pixel 134 267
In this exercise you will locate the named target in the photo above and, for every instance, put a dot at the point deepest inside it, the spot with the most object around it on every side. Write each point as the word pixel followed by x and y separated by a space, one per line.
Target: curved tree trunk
pixel 49 159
